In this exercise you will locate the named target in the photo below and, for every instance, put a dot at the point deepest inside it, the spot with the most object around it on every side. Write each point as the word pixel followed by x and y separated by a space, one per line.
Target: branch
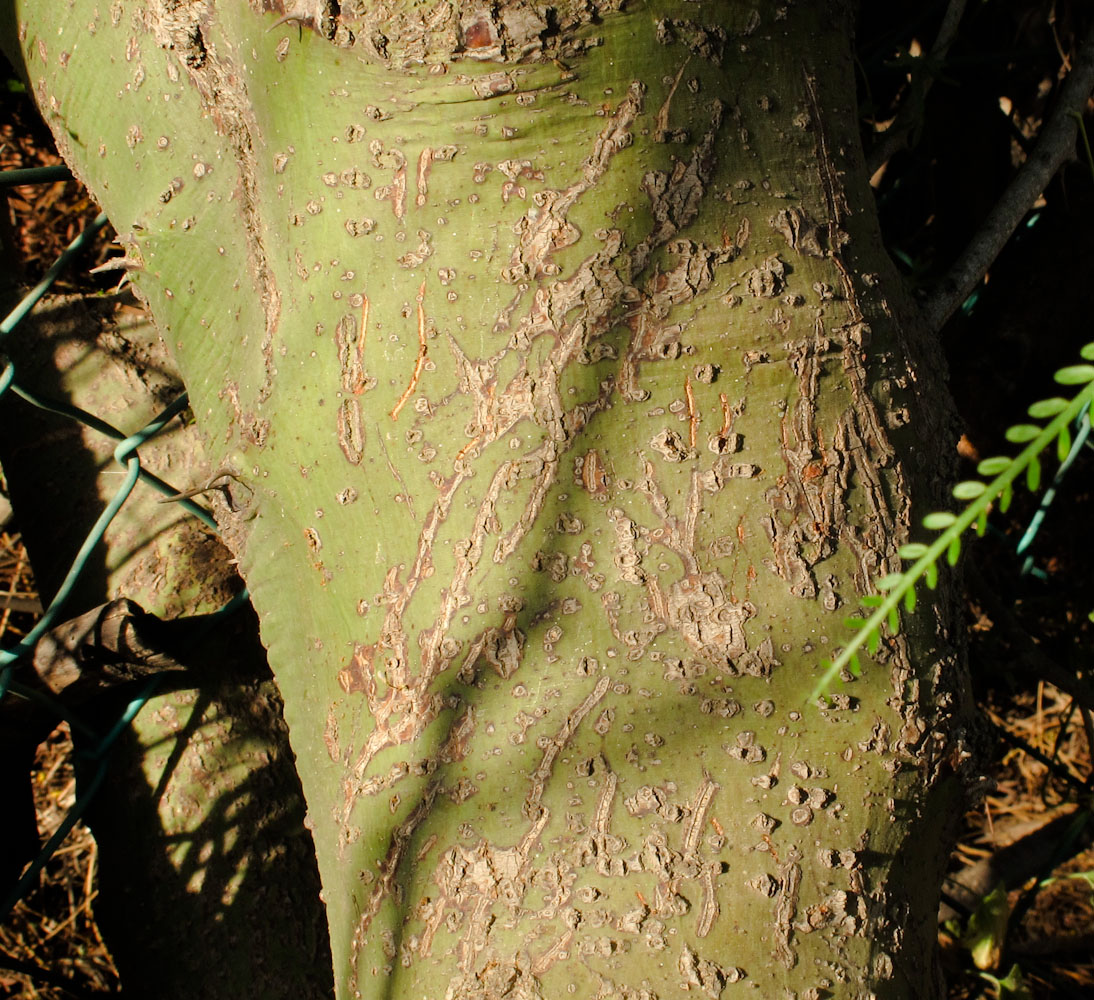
pixel 896 136
pixel 112 645
pixel 1055 146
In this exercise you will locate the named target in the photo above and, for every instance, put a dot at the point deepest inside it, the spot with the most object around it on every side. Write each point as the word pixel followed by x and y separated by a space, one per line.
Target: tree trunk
pixel 571 410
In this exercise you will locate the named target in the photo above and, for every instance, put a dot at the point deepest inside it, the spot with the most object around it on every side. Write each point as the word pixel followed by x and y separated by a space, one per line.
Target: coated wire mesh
pixel 98 741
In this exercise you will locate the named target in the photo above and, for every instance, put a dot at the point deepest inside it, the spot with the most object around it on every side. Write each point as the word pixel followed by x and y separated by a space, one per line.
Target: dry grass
pixel 51 932
pixel 52 929
pixel 1050 934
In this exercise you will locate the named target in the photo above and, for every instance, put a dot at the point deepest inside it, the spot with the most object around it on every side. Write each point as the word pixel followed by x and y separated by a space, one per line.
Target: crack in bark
pixel 181 29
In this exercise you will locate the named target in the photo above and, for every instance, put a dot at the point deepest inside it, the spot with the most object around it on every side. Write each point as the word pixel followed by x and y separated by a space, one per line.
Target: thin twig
pixel 1055 146
pixel 896 136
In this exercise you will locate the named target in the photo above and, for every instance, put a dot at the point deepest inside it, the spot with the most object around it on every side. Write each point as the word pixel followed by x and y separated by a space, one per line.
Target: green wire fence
pixel 126 454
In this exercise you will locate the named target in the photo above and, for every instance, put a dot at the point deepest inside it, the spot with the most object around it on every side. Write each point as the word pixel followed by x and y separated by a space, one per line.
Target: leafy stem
pixel 899 588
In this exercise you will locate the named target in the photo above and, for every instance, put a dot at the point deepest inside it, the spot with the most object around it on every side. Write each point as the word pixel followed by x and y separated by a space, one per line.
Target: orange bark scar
pixel 424 161
pixel 362 334
pixel 693 417
pixel 465 449
pixel 725 415
pixel 420 363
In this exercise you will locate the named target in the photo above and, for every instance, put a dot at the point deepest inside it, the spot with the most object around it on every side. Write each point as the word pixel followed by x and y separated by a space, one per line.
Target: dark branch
pixel 1055 146
pixel 897 135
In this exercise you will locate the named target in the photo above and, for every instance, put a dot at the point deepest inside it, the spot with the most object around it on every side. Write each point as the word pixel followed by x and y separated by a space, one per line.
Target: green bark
pixel 562 372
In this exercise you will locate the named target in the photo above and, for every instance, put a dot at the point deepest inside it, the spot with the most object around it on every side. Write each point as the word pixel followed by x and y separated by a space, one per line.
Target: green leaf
pixel 970 489
pixel 871 601
pixel 1087 351
pixel 1022 433
pixel 1075 375
pixel 930 575
pixel 1033 474
pixel 854 622
pixel 1005 497
pixel 1063 443
pixel 953 553
pixel 894 620
pixel 909 600
pixel 993 466
pixel 987 929
pixel 1087 877
pixel 856 664
pixel 1013 987
pixel 913 550
pixel 873 640
pixel 982 523
pixel 890 581
pixel 1048 408
pixel 938 521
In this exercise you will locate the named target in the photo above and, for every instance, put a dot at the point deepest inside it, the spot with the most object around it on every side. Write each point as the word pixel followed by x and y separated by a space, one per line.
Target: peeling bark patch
pixel 395 192
pixel 670 446
pixel 330 735
pixel 546 229
pixel 801 233
pixel 675 197
pixel 786 907
pixel 350 338
pixel 498 979
pixel 386 885
pixel 652 338
pixel 413 259
pixel 712 625
pixel 707 976
pixel 503 650
pixel 705 41
pixel 532 804
pixel 351 431
pixel 767 280
pixel 471 881
pixel 426 159
pixel 592 475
